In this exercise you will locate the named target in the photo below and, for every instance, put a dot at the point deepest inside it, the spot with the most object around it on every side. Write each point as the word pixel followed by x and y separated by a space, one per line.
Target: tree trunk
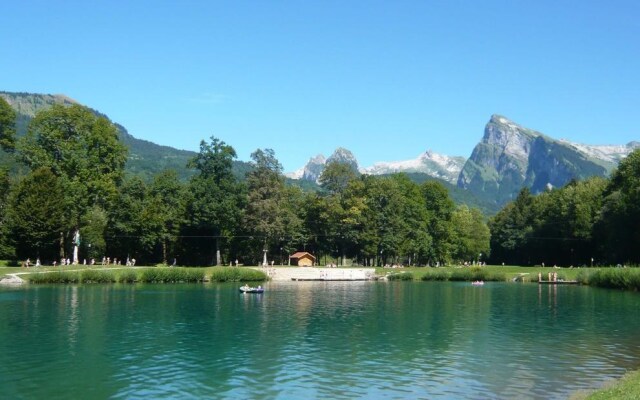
pixel 164 251
pixel 61 245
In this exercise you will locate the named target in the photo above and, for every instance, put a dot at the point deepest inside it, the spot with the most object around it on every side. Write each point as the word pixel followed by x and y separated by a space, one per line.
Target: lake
pixel 314 340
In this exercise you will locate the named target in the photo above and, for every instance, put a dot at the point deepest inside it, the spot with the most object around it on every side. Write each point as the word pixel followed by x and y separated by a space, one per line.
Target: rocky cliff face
pixel 510 157
pixel 313 169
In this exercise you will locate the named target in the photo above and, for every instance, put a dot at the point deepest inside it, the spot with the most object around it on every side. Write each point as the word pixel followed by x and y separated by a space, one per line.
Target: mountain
pixel 432 164
pixel 313 168
pixel 510 157
pixel 435 165
pixel 145 158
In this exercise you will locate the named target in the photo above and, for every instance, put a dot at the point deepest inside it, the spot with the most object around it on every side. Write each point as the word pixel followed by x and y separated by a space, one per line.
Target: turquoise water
pixel 314 340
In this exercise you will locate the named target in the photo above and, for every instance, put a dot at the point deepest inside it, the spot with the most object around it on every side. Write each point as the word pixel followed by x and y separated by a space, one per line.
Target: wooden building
pixel 303 259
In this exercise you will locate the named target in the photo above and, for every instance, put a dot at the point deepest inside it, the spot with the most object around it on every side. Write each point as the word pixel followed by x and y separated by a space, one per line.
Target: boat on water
pixel 249 289
pixel 477 283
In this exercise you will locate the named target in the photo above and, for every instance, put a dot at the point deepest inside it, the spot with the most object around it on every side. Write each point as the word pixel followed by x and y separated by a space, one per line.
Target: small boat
pixel 249 289
pixel 477 283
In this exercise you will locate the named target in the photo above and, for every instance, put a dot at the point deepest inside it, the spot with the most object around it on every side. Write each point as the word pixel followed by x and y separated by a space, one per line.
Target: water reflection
pixel 315 339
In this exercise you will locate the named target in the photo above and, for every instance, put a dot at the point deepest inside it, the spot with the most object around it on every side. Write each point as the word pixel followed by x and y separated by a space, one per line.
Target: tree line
pixel 76 184
pixel 585 223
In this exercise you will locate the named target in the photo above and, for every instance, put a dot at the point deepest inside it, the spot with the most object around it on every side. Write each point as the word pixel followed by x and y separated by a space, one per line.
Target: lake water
pixel 314 340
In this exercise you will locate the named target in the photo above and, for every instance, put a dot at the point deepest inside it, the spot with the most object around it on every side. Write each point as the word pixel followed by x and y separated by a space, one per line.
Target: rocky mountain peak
pixel 344 156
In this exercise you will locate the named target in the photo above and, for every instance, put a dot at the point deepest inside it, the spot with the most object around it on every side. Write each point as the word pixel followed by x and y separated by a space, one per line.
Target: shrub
pixel 55 277
pixel 97 276
pixel 402 276
pixel 171 275
pixel 613 278
pixel 226 274
pixel 436 275
pixel 127 276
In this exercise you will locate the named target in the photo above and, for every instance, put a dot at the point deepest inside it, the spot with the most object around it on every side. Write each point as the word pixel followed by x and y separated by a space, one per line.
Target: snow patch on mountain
pixel 608 152
pixel 430 163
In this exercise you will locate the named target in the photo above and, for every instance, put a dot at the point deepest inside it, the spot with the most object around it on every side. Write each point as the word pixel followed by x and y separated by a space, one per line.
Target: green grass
pixel 626 388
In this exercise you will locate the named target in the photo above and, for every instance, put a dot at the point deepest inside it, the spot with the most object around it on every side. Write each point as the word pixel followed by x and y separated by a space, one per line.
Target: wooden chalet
pixel 302 259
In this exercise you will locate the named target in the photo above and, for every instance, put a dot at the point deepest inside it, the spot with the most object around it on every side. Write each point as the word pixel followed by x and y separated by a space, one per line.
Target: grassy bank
pixel 148 275
pixel 486 273
pixel 612 278
pixel 626 388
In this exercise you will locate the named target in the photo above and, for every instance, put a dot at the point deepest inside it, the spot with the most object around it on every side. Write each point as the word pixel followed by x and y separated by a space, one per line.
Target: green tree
pixel 7 126
pixel 342 211
pixel 215 203
pixel 6 247
pixel 440 208
pixel 384 217
pixel 80 148
pixel 163 213
pixel 471 234
pixel 124 231
pixel 620 216
pixel 269 215
pixel 511 229
pixel 336 176
pixel 95 222
pixel 36 215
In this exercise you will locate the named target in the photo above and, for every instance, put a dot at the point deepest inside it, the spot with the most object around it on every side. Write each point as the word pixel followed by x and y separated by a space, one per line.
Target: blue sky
pixel 387 80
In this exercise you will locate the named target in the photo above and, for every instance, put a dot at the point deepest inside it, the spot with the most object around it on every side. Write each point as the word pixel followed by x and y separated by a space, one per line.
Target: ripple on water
pixel 315 340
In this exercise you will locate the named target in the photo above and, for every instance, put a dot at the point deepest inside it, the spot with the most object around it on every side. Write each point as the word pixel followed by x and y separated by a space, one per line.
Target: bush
pixel 436 275
pixel 127 276
pixel 402 276
pixel 55 277
pixel 171 275
pixel 96 276
pixel 230 274
pixel 614 278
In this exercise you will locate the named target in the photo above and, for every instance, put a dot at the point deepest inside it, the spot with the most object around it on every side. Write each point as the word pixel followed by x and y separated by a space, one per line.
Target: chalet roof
pixel 302 254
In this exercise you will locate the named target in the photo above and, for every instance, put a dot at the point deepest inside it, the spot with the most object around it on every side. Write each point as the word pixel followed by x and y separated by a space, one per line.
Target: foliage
pixel 436 275
pixel 7 126
pixel 402 276
pixel 171 275
pixel 613 278
pixel 620 217
pixel 215 203
pixel 270 213
pixel 55 277
pixel 226 274
pixel 126 276
pixel 556 227
pixel 36 215
pixel 471 234
pixel 79 147
pixel 97 276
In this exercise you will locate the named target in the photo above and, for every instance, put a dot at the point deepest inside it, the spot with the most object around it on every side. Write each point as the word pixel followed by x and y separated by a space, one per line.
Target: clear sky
pixel 385 79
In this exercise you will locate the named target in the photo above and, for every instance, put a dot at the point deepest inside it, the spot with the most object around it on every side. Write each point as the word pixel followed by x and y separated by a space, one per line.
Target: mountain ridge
pixel 508 157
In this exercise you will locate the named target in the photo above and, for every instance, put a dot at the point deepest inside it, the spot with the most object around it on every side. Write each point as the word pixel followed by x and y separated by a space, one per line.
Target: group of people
pixel 67 261
pixel 27 263
pixel 106 261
